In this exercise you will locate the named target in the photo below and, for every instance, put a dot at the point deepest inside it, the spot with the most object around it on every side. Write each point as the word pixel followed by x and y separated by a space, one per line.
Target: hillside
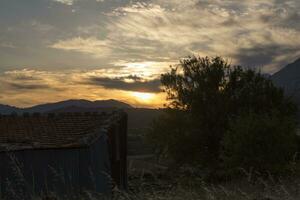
pixel 289 79
pixel 78 103
pixel 6 109
pixel 49 107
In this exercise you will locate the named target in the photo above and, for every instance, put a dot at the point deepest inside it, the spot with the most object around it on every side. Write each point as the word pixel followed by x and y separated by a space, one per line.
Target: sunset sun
pixel 143 96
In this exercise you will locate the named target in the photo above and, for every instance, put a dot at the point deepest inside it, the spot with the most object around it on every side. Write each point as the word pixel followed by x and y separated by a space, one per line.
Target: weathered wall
pixel 118 151
pixel 64 171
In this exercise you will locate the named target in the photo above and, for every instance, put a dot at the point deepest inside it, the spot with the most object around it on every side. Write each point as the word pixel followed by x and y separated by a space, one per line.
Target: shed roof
pixel 64 130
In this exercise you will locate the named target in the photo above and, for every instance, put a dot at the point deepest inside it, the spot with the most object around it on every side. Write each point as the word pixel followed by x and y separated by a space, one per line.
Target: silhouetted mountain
pixel 49 107
pixel 289 79
pixel 5 109
pixel 78 103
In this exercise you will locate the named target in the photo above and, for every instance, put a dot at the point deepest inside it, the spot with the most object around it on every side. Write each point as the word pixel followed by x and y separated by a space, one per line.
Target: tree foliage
pixel 206 96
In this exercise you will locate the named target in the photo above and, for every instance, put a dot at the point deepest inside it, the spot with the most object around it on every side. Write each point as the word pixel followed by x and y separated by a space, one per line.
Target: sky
pixel 53 50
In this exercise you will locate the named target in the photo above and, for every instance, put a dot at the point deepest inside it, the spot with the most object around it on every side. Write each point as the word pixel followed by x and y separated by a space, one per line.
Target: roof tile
pixel 51 131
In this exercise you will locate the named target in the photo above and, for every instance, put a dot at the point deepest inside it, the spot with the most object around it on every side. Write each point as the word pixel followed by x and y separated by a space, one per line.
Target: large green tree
pixel 205 96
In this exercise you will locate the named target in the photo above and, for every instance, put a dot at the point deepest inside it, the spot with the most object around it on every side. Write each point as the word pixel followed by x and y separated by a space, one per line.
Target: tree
pixel 205 96
pixel 196 86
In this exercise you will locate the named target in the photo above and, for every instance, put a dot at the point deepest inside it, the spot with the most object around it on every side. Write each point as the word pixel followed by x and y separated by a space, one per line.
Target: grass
pixel 189 186
pixel 186 184
pixel 154 183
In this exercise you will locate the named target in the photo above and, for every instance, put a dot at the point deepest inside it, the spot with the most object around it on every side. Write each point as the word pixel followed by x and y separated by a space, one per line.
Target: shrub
pixel 263 142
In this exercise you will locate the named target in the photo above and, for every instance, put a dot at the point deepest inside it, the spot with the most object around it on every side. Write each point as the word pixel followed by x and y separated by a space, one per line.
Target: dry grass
pixel 157 183
pixel 148 186
pixel 156 186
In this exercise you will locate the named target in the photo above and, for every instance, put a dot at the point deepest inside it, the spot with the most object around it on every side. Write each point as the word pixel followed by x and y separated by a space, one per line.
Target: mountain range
pixel 53 107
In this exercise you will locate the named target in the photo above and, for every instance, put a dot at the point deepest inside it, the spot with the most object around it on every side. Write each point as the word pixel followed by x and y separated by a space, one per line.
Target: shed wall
pixel 63 171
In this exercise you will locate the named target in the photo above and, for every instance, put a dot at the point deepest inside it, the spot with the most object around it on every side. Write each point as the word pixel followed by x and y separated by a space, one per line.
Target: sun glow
pixel 143 96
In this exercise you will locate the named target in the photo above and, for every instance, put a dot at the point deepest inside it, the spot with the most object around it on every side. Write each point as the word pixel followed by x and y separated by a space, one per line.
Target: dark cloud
pixel 22 86
pixel 281 19
pixel 137 85
pixel 263 55
pixel 26 78
pixel 134 78
pixel 230 22
pixel 30 86
pixel 292 21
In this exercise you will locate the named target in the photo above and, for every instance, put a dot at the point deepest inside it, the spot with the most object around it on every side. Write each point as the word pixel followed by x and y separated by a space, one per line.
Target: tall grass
pixel 192 186
pixel 186 184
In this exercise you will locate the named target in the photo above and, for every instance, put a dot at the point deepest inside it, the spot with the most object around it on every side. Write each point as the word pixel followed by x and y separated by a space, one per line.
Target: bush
pixel 260 142
pixel 170 134
pixel 210 100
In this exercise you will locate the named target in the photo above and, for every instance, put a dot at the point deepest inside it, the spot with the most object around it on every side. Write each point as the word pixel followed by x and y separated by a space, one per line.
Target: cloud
pixel 174 29
pixel 29 80
pixel 24 75
pixel 7 45
pixel 22 86
pixel 147 69
pixel 91 45
pixel 264 55
pixel 41 27
pixel 66 2
pixel 165 31
pixel 130 83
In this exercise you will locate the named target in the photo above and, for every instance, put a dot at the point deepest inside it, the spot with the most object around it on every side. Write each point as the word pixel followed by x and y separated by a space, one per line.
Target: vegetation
pixel 187 184
pixel 224 116
pixel 263 142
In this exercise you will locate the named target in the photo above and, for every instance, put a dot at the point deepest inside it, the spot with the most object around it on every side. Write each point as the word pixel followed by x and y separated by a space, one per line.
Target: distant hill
pixel 5 109
pixel 289 79
pixel 78 103
pixel 49 107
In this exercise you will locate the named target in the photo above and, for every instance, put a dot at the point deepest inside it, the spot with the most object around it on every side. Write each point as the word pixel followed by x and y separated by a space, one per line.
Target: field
pixel 151 181
pixel 188 184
